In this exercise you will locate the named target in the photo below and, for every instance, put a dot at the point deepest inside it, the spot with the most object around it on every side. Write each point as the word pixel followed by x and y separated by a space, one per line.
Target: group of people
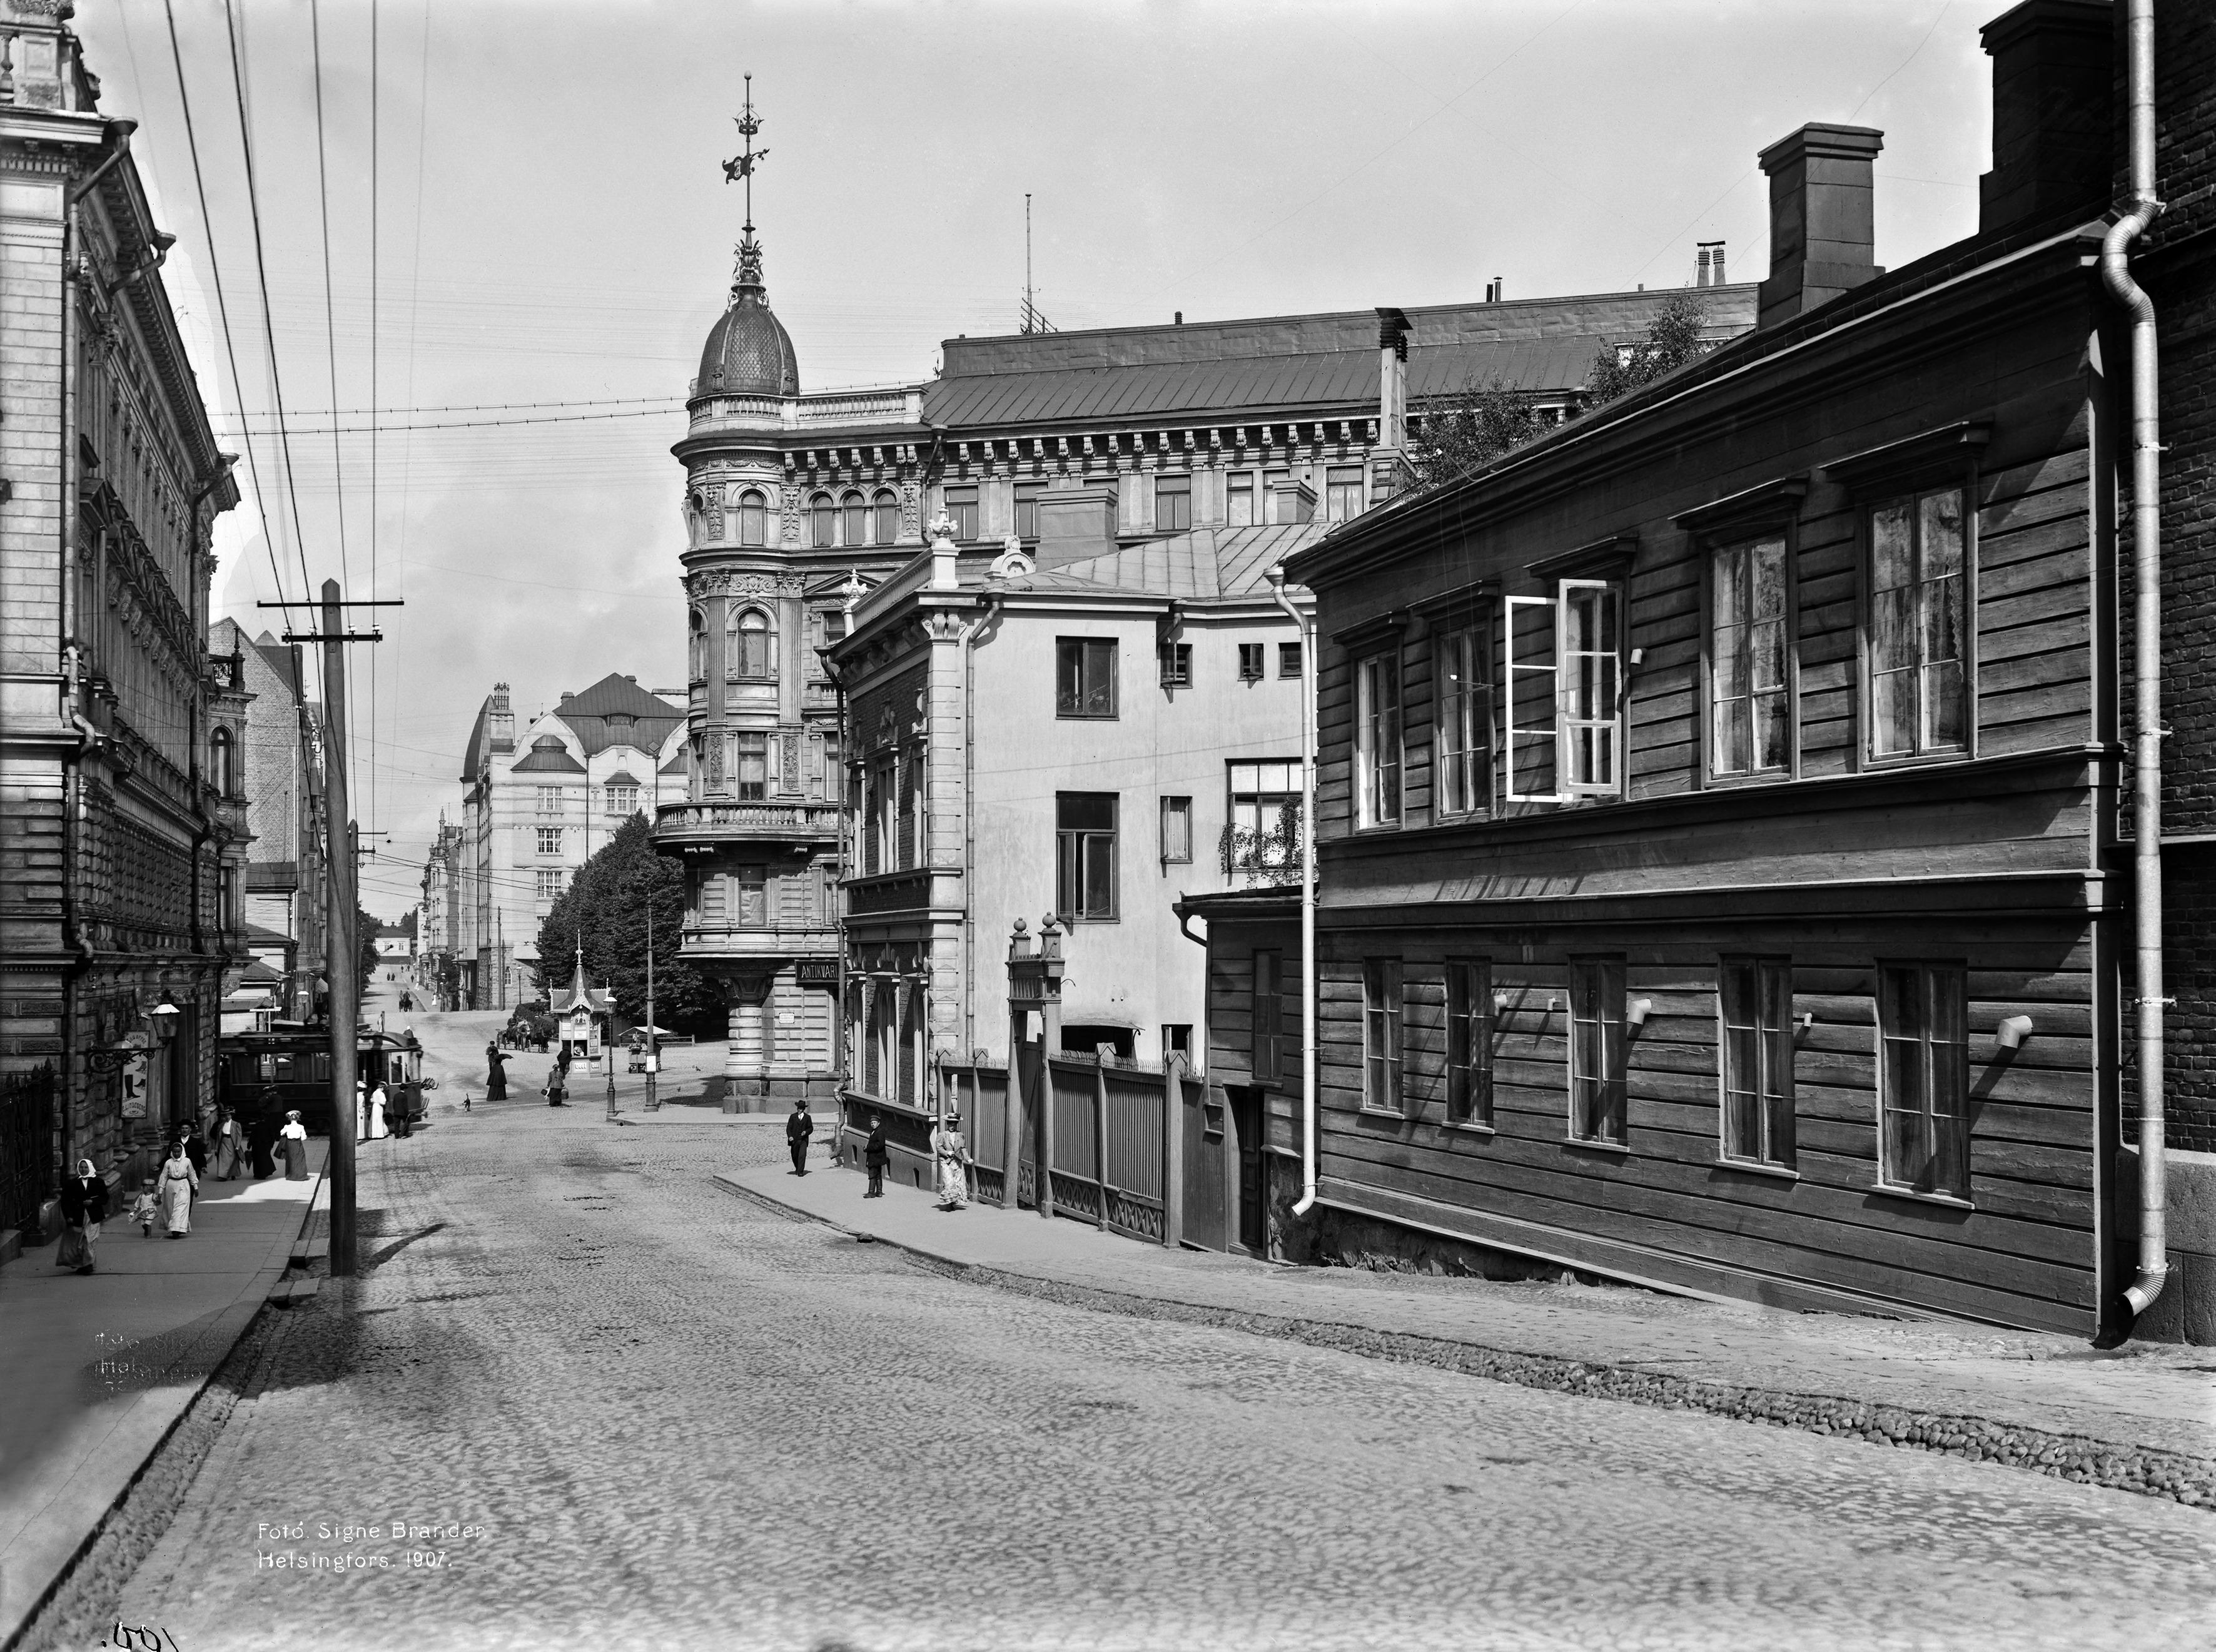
pixel 950 1155
pixel 371 1108
pixel 556 1090
pixel 169 1194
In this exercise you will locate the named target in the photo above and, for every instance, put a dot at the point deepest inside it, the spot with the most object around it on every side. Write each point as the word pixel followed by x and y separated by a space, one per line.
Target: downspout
pixel 992 601
pixel 2142 208
pixel 1277 577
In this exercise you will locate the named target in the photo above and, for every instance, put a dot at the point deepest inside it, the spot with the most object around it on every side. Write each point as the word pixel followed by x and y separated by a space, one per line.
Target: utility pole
pixel 345 951
pixel 342 943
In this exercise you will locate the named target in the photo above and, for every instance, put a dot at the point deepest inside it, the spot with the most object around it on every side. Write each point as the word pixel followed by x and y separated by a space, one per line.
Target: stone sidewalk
pixel 98 1369
pixel 2140 1418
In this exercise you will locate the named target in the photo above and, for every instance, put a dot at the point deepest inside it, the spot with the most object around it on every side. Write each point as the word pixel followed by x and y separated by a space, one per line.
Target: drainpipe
pixel 1277 577
pixel 992 601
pixel 2141 210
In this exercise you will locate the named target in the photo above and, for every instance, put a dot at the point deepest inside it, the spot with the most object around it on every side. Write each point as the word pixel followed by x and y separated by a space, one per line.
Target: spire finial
pixel 741 170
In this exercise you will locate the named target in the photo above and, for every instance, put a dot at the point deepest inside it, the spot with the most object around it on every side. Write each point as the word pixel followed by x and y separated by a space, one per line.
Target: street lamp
pixel 166 1017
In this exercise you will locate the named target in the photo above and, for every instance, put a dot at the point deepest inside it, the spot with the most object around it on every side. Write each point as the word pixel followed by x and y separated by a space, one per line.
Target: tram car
pixel 295 1061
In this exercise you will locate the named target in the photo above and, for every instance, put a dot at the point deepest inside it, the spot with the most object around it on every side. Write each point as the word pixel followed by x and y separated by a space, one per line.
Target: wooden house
pixel 1718 799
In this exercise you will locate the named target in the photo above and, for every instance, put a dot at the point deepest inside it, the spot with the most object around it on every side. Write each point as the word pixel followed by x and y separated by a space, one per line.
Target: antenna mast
pixel 1032 320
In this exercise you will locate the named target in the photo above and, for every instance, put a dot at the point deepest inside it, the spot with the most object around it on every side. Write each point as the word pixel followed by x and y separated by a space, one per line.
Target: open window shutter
pixel 1533 695
pixel 1591 688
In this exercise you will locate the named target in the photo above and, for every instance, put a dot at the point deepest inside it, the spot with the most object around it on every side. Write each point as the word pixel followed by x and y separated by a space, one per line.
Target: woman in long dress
pixel 378 1131
pixel 952 1153
pixel 173 1189
pixel 293 1138
pixel 495 1073
pixel 84 1207
pixel 226 1146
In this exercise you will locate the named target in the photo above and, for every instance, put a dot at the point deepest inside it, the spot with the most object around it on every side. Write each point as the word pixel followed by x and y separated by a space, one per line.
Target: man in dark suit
pixel 874 1156
pixel 798 1129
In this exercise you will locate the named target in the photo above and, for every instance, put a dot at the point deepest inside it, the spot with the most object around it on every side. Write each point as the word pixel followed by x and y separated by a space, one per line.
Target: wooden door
pixel 1207 1206
pixel 1246 1130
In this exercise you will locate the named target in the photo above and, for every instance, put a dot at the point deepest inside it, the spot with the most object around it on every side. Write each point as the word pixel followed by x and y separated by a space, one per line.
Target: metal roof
pixel 1208 562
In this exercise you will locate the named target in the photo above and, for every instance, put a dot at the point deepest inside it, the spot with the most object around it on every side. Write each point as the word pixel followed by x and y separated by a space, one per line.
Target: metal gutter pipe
pixel 1276 578
pixel 2140 209
pixel 991 602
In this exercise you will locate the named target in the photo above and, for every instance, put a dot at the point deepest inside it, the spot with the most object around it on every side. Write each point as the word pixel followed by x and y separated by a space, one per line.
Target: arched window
pixel 887 512
pixel 754 518
pixel 822 522
pixel 752 646
pixel 856 525
pixel 696 657
pixel 222 773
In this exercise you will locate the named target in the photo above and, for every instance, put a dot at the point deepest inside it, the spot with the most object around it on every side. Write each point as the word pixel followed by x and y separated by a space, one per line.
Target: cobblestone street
pixel 674 1417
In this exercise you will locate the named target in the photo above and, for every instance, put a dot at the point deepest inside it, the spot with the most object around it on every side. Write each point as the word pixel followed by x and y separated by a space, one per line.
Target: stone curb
pixel 191 1416
pixel 2149 1471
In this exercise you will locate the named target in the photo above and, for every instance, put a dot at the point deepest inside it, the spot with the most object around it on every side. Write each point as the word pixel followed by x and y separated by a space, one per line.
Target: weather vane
pixel 741 168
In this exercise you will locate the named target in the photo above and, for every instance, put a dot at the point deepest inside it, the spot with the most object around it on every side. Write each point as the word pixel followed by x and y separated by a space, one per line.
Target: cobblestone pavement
pixel 664 1416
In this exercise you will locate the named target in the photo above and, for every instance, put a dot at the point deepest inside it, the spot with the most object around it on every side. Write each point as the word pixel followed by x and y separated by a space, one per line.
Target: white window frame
pixel 1369 764
pixel 1558 733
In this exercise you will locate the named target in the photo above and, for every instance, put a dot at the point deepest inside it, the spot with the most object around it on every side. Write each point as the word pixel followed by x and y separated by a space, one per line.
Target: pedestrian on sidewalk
pixel 874 1156
pixel 294 1139
pixel 145 1208
pixel 407 1114
pixel 196 1146
pixel 84 1207
pixel 179 1183
pixel 495 1073
pixel 262 1133
pixel 798 1129
pixel 953 1156
pixel 378 1129
pixel 228 1140
pixel 554 1086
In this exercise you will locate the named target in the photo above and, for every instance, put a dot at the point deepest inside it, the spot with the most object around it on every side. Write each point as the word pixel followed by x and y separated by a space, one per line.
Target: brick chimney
pixel 1074 523
pixel 1821 230
pixel 2052 90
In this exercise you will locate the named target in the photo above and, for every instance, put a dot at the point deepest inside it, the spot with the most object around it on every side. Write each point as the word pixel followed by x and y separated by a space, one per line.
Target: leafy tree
pixel 604 908
pixel 366 964
pixel 1673 338
pixel 1468 430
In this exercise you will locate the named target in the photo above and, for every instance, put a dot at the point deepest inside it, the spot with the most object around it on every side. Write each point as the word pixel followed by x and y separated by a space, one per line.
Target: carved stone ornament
pixel 789 512
pixel 911 507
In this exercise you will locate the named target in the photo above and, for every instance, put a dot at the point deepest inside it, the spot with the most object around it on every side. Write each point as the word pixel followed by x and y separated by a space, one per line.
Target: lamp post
pixel 653 1047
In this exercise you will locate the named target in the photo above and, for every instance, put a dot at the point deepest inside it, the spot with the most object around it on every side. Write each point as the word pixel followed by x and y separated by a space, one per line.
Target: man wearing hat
pixel 798 1129
pixel 874 1156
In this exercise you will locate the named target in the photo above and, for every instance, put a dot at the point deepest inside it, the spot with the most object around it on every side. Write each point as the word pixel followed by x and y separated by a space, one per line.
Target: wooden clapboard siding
pixel 2022 1254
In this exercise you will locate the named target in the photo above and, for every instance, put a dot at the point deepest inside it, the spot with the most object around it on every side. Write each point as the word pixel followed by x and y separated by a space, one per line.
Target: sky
pixel 507 203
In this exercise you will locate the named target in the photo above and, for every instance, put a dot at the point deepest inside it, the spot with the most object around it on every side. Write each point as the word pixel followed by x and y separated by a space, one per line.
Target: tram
pixel 295 1061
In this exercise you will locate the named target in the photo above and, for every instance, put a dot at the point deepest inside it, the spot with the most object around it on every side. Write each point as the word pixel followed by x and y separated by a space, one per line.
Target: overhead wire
pixel 373 330
pixel 330 334
pixel 276 382
pixel 222 304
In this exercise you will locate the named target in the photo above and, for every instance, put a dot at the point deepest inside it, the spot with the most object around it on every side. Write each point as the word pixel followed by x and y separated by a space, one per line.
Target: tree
pixel 1673 338
pixel 1468 430
pixel 605 909
pixel 367 961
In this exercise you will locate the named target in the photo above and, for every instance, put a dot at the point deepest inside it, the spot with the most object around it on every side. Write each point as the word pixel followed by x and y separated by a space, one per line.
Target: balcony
pixel 680 827
pixel 716 941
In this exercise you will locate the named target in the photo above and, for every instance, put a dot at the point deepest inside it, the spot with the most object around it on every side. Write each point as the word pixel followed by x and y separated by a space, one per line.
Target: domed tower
pixel 758 826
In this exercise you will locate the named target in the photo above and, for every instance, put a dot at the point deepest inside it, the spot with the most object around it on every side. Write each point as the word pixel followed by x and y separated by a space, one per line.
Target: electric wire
pixel 276 383
pixel 373 319
pixel 221 306
pixel 330 331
